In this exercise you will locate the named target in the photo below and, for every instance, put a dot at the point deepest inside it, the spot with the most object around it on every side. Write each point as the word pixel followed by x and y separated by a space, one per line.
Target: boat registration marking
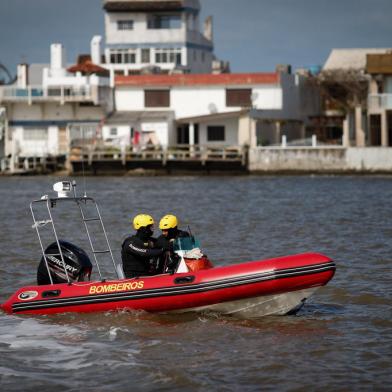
pixel 114 287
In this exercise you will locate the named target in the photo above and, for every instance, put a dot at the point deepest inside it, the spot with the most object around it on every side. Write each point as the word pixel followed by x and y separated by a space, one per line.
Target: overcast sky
pixel 254 35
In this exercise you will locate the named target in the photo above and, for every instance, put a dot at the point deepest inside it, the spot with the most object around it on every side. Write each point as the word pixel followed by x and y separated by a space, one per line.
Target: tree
pixel 344 88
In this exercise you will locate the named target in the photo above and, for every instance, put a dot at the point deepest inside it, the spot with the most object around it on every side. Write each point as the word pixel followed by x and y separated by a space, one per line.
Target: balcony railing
pixel 378 102
pixel 38 93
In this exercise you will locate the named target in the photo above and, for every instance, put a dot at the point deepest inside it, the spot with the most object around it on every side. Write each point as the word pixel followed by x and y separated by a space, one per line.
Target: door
pixel 375 130
pixel 389 127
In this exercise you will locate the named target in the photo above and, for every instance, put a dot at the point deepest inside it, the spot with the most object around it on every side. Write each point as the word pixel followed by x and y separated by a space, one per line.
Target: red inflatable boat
pixel 254 289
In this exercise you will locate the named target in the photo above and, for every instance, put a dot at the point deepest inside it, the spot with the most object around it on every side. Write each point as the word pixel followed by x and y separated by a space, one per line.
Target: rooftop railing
pixel 38 93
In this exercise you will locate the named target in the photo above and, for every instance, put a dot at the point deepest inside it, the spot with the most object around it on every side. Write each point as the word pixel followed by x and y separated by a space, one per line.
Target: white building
pixel 368 123
pixel 211 109
pixel 154 36
pixel 164 89
pixel 48 107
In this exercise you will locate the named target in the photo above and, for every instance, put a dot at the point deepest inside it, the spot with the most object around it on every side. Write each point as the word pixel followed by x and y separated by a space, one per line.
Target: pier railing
pixel 31 165
pixel 177 153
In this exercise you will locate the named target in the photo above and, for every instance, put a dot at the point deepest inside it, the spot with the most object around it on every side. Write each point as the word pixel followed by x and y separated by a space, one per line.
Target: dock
pixel 171 160
pixel 32 165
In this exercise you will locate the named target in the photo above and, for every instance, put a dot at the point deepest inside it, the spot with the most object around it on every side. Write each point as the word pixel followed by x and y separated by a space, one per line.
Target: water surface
pixel 340 340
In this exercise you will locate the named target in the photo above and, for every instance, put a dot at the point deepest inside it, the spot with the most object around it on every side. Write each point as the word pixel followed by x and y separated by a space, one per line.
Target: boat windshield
pixel 186 243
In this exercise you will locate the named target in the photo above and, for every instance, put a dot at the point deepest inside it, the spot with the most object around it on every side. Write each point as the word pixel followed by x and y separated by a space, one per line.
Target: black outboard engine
pixel 77 264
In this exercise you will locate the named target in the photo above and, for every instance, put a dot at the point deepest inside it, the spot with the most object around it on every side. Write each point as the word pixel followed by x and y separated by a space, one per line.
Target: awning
pixel 212 117
pixel 132 117
pixel 87 67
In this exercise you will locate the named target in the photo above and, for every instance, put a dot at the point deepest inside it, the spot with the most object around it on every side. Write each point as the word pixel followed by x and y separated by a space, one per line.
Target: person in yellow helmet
pixel 170 232
pixel 139 252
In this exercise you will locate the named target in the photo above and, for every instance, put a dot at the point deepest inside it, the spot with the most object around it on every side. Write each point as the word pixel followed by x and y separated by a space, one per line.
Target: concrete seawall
pixel 320 159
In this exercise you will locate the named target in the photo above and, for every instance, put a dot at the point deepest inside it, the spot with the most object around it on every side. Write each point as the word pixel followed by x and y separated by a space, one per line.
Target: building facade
pixel 212 109
pixel 156 36
pixel 153 82
pixel 379 67
pixel 356 106
pixel 48 107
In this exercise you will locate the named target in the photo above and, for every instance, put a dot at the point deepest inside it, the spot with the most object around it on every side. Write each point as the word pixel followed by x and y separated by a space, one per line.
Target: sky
pixel 254 35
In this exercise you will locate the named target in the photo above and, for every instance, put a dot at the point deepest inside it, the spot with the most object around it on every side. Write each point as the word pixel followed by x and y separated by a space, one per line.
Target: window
pixel 145 55
pixel 164 22
pixel 157 98
pixel 129 58
pixel 183 134
pixel 113 131
pixel 238 97
pixel 82 132
pixel 216 133
pixel 196 133
pixel 123 56
pixel 125 25
pixel 35 134
pixel 168 55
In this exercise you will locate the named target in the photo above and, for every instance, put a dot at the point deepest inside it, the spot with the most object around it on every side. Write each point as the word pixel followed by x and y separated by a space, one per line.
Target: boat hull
pixel 256 307
pixel 274 286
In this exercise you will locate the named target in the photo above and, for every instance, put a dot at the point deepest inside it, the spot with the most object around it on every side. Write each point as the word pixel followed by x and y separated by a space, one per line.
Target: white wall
pixel 267 97
pixel 330 159
pixel 39 148
pixel 160 129
pixel 129 99
pixel 53 140
pixel 197 101
pixel 54 112
pixel 45 112
pixel 123 137
pixel 231 132
pixel 140 34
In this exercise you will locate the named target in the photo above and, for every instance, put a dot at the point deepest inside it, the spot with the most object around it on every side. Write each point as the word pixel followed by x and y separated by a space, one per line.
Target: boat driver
pixel 170 232
pixel 139 253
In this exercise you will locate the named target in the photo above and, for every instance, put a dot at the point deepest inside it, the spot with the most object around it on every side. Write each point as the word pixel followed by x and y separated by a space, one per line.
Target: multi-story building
pixel 48 107
pixel 165 88
pixel 357 106
pixel 154 36
pixel 379 67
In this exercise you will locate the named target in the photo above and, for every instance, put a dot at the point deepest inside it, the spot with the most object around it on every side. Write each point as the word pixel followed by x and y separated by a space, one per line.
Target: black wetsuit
pixel 166 260
pixel 139 254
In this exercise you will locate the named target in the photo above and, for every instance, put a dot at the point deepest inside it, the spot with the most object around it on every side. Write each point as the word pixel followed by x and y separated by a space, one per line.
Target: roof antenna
pixel 83 173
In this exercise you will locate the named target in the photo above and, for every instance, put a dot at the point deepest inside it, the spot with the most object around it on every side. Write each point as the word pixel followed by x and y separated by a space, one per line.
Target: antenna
pixel 83 174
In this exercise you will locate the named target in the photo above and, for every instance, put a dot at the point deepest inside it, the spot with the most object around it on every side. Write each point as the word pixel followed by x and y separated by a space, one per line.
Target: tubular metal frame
pixel 51 203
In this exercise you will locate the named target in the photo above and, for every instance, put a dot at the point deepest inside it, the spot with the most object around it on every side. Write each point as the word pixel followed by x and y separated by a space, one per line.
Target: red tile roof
pixel 198 79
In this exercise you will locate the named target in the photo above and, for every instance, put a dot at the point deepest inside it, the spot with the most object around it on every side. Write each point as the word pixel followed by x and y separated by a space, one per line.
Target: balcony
pixel 379 102
pixel 60 94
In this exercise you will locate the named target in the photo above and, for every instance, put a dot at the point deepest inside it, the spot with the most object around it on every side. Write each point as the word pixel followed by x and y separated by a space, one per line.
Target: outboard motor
pixel 77 264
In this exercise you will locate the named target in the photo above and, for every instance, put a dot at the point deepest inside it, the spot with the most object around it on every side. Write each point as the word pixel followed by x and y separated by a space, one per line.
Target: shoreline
pixel 158 173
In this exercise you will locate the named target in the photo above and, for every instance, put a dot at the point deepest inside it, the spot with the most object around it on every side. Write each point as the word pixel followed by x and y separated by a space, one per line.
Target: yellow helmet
pixel 142 220
pixel 168 222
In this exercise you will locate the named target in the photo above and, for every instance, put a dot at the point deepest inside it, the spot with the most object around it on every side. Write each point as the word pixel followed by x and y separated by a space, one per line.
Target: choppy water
pixel 340 340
